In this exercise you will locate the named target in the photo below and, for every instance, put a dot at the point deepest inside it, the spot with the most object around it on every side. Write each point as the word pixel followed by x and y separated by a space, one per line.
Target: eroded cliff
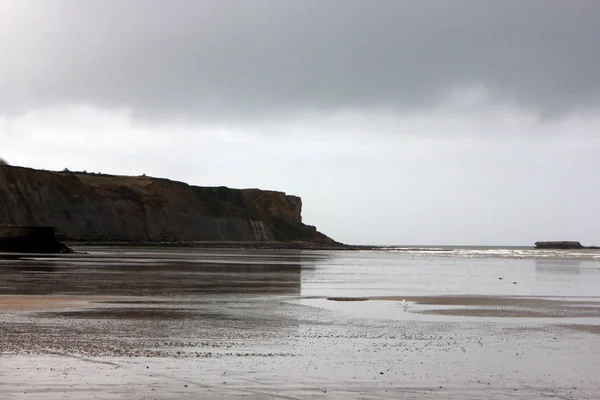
pixel 92 207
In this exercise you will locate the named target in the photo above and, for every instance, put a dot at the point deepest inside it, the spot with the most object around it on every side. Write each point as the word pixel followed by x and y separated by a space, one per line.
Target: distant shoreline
pixel 230 245
pixel 292 245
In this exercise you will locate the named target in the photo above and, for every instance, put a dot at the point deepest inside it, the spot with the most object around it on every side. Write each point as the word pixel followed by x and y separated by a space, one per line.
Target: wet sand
pixel 188 325
pixel 12 303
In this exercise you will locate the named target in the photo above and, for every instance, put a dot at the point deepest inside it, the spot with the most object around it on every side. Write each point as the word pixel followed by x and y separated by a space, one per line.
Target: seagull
pixel 404 305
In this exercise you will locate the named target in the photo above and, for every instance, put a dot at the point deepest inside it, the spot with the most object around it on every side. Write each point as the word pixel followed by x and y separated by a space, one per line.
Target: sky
pixel 462 122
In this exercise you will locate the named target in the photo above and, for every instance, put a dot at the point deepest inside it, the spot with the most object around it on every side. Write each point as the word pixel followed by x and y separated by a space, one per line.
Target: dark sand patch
pixel 348 298
pixel 135 313
pixel 560 312
pixel 490 301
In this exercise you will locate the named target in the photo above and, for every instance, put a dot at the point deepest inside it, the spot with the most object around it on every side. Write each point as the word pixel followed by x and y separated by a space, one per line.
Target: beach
pixel 145 323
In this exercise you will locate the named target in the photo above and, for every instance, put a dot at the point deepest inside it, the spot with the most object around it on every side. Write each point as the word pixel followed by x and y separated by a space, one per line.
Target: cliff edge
pixel 98 207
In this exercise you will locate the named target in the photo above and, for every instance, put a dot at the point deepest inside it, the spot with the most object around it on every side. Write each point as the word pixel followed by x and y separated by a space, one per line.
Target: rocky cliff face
pixel 123 208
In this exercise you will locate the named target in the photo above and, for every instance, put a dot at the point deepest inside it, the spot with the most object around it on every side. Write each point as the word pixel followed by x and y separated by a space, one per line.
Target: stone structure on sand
pixel 562 245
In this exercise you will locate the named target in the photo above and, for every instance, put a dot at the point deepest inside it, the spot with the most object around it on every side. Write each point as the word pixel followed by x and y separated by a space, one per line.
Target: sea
pixel 415 322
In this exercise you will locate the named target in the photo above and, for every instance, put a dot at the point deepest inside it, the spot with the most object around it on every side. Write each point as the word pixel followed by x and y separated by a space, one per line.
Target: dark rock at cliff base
pixel 30 239
pixel 559 245
pixel 110 208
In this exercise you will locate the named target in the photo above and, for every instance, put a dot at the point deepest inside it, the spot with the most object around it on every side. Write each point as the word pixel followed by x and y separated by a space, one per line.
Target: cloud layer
pixel 223 59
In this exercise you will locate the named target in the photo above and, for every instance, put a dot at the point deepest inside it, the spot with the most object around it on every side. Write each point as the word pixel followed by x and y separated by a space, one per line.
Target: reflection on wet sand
pixel 554 266
pixel 135 313
pixel 154 274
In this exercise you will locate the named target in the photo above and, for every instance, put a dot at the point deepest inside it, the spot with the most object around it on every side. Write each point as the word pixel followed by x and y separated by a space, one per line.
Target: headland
pixel 94 208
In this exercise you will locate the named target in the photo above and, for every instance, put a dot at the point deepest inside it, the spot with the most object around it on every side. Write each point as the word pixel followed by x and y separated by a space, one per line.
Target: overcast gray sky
pixel 397 122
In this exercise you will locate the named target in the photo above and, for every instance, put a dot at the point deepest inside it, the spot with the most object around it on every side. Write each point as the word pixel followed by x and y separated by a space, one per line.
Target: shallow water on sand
pixel 182 272
pixel 380 273
pixel 209 323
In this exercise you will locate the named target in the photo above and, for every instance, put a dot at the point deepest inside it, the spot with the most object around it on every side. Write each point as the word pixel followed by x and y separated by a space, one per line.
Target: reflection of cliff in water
pixel 557 266
pixel 135 272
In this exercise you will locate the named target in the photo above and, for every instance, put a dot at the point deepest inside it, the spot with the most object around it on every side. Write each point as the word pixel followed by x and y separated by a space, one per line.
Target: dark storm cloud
pixel 262 58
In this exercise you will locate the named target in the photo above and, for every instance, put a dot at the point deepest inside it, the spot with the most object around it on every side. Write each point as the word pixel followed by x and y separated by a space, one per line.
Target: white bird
pixel 404 305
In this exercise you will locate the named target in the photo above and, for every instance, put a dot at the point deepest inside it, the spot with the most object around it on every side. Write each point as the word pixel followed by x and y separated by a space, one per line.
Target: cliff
pixel 94 207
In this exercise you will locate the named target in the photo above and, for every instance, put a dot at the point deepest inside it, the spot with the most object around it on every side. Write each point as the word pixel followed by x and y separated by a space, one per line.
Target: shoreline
pixel 288 245
pixel 229 245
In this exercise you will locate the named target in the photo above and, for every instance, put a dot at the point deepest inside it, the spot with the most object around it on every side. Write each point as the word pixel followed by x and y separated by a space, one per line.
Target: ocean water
pixel 393 271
